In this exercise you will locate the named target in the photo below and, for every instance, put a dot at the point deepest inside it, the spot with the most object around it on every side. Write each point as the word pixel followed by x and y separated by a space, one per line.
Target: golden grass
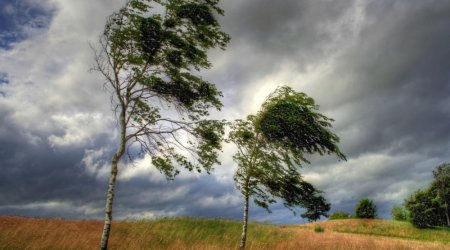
pixel 177 233
pixel 206 234
pixel 306 238
pixel 389 228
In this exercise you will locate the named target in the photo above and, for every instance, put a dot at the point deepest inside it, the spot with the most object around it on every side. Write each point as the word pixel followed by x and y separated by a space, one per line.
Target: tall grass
pixel 206 232
pixel 170 233
pixel 306 238
pixel 389 228
pixel 194 233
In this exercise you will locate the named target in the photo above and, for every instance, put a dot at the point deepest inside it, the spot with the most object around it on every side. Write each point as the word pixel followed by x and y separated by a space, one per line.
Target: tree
pixel 399 213
pixel 316 207
pixel 149 62
pixel 442 186
pixel 366 209
pixel 339 215
pixel 430 206
pixel 424 209
pixel 271 146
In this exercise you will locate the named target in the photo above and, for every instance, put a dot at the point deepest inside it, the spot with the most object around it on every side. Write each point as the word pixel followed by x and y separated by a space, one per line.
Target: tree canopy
pixel 441 184
pixel 366 209
pixel 430 206
pixel 290 120
pixel 149 63
pixel 399 213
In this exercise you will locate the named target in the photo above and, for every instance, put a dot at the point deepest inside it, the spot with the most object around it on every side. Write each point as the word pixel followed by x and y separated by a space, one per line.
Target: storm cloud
pixel 379 68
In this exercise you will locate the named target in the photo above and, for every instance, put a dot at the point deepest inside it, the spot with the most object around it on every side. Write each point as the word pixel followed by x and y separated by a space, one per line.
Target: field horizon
pixel 18 232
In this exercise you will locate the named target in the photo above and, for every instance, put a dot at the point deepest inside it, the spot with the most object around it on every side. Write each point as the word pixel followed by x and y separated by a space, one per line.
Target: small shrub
pixel 339 216
pixel 319 229
pixel 366 209
pixel 399 213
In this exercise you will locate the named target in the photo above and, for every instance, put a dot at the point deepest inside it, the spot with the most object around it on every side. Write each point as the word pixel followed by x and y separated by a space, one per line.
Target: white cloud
pixel 224 200
pixel 95 164
pixel 378 176
pixel 79 129
pixel 57 206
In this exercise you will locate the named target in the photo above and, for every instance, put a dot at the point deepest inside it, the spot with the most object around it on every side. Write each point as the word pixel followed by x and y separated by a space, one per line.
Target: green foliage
pixel 424 209
pixel 399 213
pixel 268 167
pixel 149 61
pixel 338 215
pixel 441 184
pixel 319 229
pixel 316 206
pixel 289 119
pixel 366 209
pixel 429 207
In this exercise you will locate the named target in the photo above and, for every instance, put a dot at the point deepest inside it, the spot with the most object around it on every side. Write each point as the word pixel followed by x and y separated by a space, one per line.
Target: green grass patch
pixel 319 229
pixel 194 231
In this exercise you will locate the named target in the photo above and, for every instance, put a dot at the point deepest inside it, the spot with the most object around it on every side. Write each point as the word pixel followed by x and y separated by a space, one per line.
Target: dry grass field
pixel 366 234
pixel 189 233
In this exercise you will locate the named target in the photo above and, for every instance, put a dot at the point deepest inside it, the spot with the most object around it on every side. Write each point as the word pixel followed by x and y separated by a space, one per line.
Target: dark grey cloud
pixel 380 68
pixel 399 83
pixel 266 35
pixel 34 172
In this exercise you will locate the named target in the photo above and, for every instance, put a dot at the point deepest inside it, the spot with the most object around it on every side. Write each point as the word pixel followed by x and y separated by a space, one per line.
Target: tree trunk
pixel 112 183
pixel 446 214
pixel 244 226
pixel 109 199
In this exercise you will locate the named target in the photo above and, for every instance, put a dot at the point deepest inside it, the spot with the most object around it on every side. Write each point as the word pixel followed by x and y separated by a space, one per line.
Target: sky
pixel 380 68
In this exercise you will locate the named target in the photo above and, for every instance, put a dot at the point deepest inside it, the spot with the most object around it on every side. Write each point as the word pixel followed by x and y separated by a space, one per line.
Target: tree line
pixel 428 207
pixel 364 209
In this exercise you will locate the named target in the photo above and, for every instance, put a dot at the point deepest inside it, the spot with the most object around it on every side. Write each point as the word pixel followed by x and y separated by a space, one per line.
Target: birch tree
pixel 271 147
pixel 149 55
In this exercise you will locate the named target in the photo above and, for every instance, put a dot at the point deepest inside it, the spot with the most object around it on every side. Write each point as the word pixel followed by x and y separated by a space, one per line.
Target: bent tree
pixel 271 147
pixel 149 54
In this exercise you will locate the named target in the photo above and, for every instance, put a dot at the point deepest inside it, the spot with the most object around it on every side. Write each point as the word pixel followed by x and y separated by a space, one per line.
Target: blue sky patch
pixel 3 78
pixel 21 19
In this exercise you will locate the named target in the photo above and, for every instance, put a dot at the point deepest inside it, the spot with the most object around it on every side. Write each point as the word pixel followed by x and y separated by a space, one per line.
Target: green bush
pixel 399 213
pixel 366 209
pixel 319 229
pixel 424 209
pixel 339 216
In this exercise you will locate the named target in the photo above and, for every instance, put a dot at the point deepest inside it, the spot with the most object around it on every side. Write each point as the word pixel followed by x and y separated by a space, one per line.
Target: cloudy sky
pixel 380 68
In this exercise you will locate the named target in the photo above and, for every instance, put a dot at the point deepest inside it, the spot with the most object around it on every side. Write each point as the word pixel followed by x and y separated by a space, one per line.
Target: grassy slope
pixel 396 229
pixel 178 233
pixel 188 233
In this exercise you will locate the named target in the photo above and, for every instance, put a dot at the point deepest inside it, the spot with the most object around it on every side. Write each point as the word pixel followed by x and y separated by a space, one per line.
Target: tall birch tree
pixel 271 147
pixel 149 55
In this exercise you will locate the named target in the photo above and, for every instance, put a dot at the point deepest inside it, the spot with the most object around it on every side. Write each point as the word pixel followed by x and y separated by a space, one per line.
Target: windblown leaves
pixel 290 119
pixel 272 146
pixel 150 59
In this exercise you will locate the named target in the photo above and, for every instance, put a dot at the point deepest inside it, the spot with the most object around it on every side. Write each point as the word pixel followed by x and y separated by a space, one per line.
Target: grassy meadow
pixel 195 233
